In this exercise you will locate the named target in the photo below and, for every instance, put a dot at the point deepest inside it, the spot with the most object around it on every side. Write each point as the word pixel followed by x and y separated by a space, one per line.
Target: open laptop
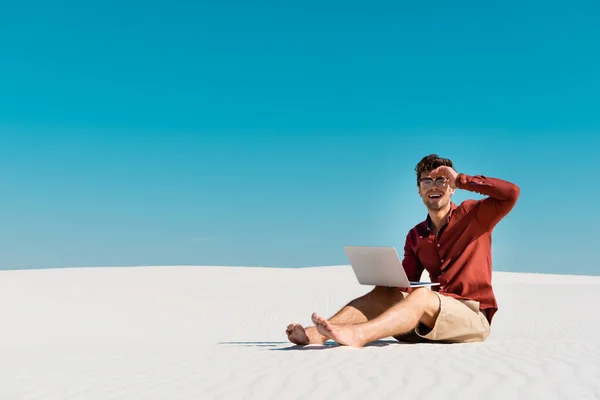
pixel 379 266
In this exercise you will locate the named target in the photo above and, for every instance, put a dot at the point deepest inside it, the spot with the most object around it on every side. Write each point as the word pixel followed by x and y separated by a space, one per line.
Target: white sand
pixel 218 332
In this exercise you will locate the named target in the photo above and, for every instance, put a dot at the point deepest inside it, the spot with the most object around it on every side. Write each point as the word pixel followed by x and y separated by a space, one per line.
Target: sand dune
pixel 218 333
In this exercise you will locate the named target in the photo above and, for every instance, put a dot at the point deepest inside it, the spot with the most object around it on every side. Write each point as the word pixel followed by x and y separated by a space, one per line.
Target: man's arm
pixel 502 196
pixel 411 264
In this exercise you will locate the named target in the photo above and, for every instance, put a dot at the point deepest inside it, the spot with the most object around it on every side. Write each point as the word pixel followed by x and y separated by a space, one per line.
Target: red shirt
pixel 459 257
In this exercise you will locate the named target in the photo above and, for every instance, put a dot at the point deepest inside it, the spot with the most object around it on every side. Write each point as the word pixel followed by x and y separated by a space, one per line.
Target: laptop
pixel 379 266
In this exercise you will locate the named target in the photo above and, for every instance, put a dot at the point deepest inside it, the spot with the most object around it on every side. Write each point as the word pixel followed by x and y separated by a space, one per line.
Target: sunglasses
pixel 428 182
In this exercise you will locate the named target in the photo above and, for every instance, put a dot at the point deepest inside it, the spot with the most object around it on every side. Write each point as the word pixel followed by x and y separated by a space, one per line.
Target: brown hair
pixel 431 162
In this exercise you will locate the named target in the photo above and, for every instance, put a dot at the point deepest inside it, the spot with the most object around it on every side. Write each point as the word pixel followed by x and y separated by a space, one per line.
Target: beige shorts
pixel 459 321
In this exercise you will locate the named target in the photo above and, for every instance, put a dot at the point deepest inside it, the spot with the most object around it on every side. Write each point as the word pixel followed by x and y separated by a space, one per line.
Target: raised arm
pixel 502 196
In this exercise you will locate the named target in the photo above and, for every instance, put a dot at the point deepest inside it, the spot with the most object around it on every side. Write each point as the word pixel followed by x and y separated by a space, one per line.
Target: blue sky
pixel 273 134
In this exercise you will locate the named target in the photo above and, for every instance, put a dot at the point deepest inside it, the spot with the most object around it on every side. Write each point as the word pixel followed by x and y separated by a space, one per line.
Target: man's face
pixel 434 191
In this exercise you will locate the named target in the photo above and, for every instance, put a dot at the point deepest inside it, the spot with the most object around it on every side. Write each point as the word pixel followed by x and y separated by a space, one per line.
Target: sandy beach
pixel 183 332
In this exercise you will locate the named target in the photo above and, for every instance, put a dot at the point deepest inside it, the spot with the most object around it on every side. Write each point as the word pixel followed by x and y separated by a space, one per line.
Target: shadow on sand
pixel 277 346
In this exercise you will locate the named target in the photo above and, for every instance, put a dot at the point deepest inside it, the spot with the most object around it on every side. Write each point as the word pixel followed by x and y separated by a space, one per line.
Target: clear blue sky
pixel 154 133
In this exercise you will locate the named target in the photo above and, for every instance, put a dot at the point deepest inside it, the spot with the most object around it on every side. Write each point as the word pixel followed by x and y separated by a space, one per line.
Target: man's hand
pixel 448 173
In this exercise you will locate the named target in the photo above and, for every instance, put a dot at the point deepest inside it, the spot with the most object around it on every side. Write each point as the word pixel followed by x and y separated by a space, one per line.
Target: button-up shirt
pixel 459 256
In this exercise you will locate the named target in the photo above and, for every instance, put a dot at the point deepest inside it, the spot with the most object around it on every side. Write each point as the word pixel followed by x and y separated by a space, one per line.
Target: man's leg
pixel 421 306
pixel 359 310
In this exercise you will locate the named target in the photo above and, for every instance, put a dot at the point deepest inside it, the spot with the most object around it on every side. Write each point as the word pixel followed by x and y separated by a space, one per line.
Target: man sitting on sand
pixel 453 244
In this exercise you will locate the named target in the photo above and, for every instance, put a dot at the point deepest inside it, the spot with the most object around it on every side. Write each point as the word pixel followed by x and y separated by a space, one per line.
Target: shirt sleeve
pixel 411 264
pixel 502 196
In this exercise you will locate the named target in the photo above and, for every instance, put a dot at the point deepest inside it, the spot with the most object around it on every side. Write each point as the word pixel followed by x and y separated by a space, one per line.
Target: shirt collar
pixel 428 218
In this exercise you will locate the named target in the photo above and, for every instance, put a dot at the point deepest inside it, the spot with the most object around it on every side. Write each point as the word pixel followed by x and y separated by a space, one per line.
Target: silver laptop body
pixel 379 266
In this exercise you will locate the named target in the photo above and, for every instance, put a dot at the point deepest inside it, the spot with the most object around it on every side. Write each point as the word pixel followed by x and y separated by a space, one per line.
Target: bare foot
pixel 298 335
pixel 343 334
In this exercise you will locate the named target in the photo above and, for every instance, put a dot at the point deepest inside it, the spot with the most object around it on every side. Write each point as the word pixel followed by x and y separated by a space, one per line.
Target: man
pixel 453 244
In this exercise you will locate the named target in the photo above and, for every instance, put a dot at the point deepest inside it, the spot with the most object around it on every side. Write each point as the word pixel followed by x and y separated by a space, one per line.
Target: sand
pixel 218 333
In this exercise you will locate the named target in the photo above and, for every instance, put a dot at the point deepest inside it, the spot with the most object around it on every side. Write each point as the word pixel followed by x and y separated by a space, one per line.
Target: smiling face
pixel 434 191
